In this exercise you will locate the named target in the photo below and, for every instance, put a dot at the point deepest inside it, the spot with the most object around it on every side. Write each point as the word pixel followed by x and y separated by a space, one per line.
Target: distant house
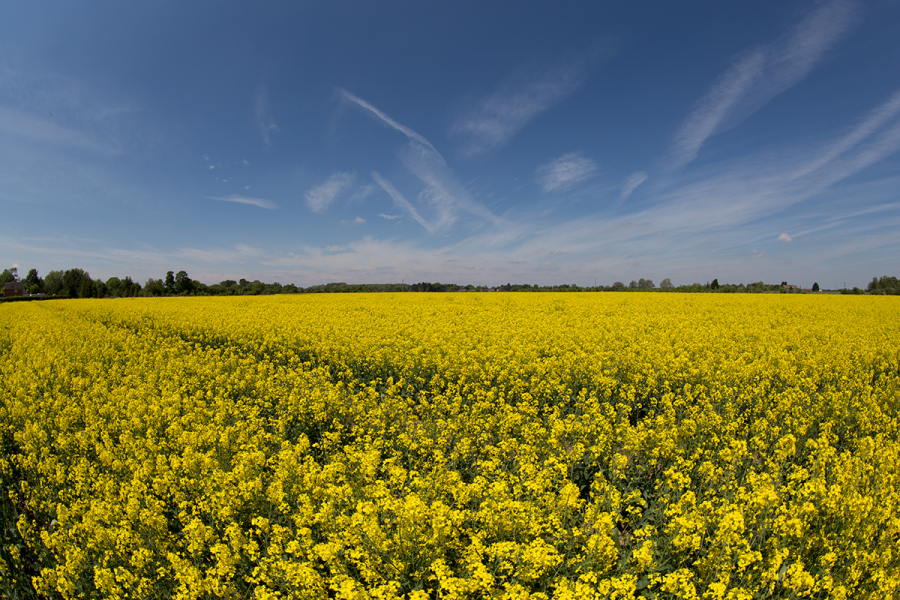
pixel 13 288
pixel 790 286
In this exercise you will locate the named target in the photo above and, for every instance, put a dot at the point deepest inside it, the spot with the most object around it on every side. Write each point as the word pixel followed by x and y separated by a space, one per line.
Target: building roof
pixel 13 285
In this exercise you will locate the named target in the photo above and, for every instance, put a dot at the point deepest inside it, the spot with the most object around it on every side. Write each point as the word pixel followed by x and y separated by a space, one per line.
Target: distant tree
pixel 86 289
pixel 129 288
pixel 183 283
pixel 884 285
pixel 32 279
pixel 666 284
pixel 645 284
pixel 815 287
pixel 73 283
pixel 113 284
pixel 11 274
pixel 100 289
pixel 633 284
pixel 170 282
pixel 784 284
pixel 53 285
pixel 618 284
pixel 153 287
pixel 228 283
pixel 715 284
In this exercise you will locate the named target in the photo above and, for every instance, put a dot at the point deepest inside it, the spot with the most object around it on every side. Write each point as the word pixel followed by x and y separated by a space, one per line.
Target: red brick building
pixel 13 288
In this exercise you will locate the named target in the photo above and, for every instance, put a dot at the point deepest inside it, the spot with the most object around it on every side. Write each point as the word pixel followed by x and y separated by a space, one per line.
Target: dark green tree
pixel 113 285
pixel 86 289
pixel 32 279
pixel 72 283
pixel 153 287
pixel 884 285
pixel 100 289
pixel 11 274
pixel 815 287
pixel 715 284
pixel 170 282
pixel 129 287
pixel 53 283
pixel 183 283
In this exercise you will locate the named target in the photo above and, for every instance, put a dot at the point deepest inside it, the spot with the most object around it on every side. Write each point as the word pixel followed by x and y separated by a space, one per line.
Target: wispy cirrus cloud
pixel 518 100
pixel 401 202
pixel 412 135
pixel 260 202
pixel 562 173
pixel 443 191
pixel 61 140
pixel 871 124
pixel 759 75
pixel 631 184
pixel 737 194
pixel 320 197
pixel 442 194
pixel 261 113
pixel 36 129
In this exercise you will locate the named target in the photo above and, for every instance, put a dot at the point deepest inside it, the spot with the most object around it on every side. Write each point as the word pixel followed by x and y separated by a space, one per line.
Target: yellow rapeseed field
pixel 451 446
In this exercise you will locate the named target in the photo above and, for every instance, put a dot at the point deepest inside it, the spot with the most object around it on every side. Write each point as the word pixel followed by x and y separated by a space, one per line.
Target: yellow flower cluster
pixel 422 446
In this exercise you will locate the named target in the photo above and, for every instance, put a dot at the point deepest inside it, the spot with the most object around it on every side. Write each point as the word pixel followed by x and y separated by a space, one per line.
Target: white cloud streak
pixel 713 108
pixel 18 123
pixel 562 173
pixel 873 122
pixel 261 112
pixel 268 204
pixel 760 75
pixel 442 189
pixel 402 202
pixel 412 135
pixel 503 113
pixel 631 184
pixel 320 197
pixel 442 192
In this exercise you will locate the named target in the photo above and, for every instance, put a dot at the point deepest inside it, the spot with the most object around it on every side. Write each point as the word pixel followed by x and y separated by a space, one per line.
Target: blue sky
pixel 467 142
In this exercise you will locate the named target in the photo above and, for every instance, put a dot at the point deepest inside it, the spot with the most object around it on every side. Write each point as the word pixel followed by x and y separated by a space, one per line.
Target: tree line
pixel 77 283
